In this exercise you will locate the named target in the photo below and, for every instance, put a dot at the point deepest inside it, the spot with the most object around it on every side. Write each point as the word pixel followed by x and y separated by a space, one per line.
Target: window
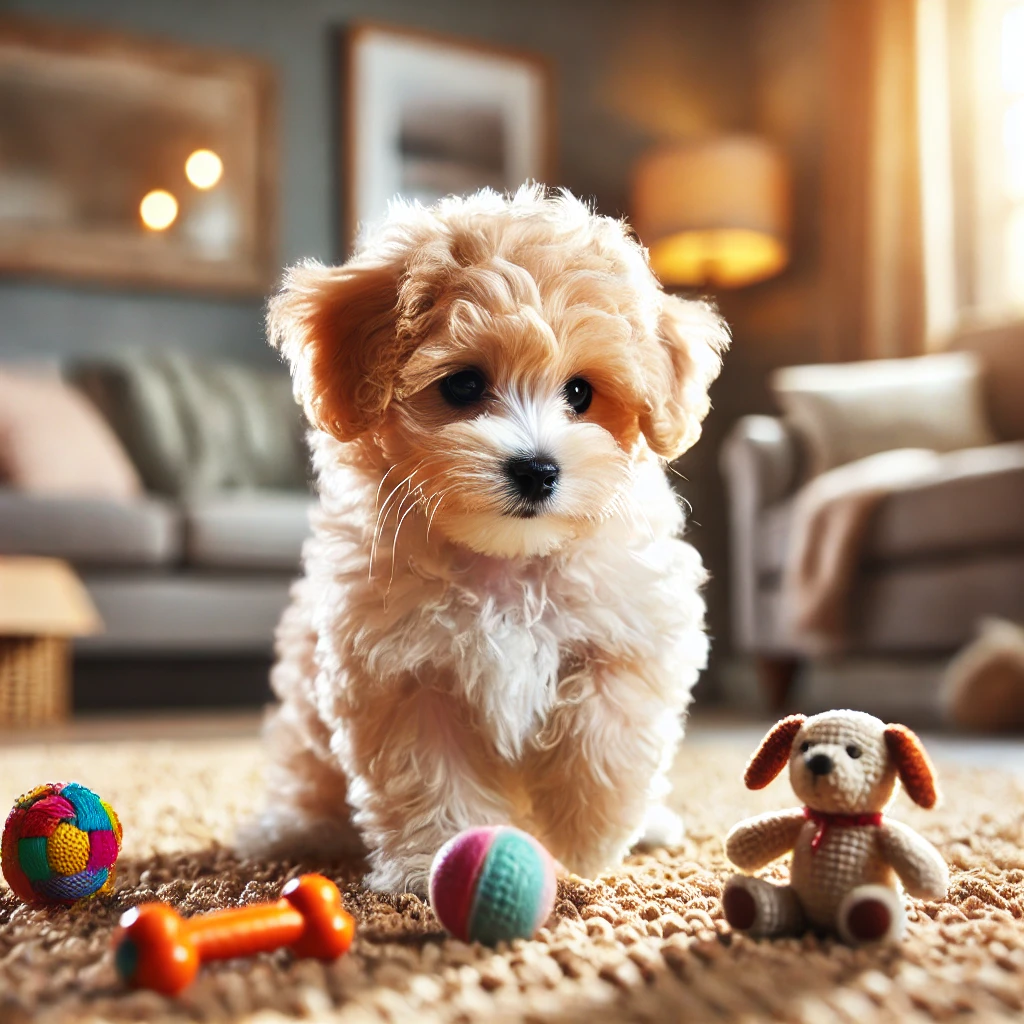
pixel 971 98
pixel 1011 65
pixel 998 154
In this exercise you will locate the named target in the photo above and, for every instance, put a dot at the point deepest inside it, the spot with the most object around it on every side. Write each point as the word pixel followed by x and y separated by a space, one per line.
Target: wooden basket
pixel 34 680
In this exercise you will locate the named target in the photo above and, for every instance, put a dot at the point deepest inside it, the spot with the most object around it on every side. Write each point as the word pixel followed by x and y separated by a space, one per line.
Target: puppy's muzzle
pixel 533 479
pixel 819 764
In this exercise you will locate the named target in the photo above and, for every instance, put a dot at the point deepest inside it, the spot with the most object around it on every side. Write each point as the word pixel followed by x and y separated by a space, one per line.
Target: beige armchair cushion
pixel 848 411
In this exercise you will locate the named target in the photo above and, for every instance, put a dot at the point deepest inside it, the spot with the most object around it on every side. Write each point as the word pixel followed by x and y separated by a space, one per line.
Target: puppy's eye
pixel 853 751
pixel 805 746
pixel 464 387
pixel 578 393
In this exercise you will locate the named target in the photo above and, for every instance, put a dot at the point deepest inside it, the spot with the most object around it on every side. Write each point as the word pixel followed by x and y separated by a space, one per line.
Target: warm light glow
pixel 1013 142
pixel 714 212
pixel 725 257
pixel 158 209
pixel 1013 49
pixel 203 168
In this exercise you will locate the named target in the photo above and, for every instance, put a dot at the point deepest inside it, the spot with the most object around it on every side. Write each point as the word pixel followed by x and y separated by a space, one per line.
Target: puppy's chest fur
pixel 512 638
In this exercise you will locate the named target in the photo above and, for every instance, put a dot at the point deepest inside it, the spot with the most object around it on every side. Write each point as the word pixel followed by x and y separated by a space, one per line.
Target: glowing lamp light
pixel 204 168
pixel 158 209
pixel 713 213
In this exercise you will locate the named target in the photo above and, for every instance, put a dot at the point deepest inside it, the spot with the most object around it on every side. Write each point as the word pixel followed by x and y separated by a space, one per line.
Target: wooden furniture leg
pixel 775 677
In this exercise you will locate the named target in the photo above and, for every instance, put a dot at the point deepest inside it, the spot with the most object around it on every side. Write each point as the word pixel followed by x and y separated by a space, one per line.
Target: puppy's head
pixel 509 358
pixel 844 762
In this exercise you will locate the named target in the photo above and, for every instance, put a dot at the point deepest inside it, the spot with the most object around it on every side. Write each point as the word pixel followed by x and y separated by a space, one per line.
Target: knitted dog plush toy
pixel 847 856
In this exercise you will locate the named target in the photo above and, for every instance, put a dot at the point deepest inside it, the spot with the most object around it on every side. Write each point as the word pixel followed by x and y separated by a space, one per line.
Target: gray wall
pixel 628 74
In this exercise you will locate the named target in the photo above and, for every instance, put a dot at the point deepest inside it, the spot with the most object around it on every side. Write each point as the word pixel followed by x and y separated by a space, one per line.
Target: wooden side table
pixel 43 605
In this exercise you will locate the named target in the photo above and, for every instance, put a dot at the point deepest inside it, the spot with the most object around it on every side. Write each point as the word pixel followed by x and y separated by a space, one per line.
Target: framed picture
pixel 427 116
pixel 135 162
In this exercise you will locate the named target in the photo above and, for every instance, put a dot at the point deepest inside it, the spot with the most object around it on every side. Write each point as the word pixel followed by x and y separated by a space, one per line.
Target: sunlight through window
pixel 1012 75
pixel 1013 49
pixel 1013 140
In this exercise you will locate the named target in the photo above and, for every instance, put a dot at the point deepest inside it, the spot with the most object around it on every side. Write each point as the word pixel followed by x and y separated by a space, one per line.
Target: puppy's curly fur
pixel 457 653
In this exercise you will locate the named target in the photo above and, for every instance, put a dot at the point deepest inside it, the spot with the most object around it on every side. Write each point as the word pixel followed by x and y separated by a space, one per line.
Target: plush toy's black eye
pixel 853 751
pixel 464 387
pixel 805 746
pixel 578 393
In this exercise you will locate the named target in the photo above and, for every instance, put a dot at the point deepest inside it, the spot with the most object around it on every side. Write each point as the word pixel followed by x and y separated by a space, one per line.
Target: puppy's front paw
pixel 662 827
pixel 409 874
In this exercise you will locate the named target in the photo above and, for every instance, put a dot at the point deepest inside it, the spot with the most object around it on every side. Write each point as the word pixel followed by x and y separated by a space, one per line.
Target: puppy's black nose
pixel 820 764
pixel 534 479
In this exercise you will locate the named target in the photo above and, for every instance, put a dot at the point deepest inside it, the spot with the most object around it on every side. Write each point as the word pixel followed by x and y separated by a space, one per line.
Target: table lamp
pixel 713 213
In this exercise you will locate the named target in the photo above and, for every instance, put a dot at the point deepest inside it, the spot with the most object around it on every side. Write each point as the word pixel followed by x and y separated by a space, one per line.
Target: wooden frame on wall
pixel 98 129
pixel 426 115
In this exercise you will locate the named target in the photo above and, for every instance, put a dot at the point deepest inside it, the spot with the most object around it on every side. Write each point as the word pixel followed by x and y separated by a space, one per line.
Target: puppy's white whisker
pixel 430 520
pixel 378 526
pixel 382 515
pixel 394 545
pixel 380 486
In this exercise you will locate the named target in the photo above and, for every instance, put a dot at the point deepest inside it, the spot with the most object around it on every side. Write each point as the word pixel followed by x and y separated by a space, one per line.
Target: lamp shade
pixel 714 212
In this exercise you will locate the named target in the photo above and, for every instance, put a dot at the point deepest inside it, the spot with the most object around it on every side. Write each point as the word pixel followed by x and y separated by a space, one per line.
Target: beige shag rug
pixel 646 942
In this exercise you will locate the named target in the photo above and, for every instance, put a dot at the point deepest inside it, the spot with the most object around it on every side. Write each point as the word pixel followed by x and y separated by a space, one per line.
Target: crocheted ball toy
pixel 60 844
pixel 489 884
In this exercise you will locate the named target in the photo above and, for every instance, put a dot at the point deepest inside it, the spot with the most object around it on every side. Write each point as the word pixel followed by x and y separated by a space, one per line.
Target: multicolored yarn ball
pixel 490 884
pixel 60 844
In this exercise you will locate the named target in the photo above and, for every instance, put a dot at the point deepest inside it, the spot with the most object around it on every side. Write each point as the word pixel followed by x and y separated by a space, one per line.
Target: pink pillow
pixel 54 441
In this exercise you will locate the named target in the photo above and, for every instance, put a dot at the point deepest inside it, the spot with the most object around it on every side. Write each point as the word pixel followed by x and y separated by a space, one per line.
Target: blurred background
pixel 845 178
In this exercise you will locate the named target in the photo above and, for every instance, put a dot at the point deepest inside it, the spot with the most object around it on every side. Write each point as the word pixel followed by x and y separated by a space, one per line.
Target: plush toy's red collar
pixel 825 821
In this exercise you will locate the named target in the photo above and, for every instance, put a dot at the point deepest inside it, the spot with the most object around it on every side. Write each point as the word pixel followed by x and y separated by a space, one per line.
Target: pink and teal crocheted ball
pixel 60 844
pixel 490 884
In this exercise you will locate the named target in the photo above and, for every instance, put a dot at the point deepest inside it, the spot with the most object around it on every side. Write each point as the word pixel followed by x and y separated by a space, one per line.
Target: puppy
pixel 498 621
pixel 848 858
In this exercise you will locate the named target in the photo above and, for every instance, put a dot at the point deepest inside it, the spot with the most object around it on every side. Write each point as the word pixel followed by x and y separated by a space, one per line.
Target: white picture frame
pixel 428 115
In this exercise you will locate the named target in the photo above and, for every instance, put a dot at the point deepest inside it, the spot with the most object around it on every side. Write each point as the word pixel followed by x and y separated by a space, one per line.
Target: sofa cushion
pixel 847 411
pixel 247 529
pixel 185 613
pixel 54 441
pixel 977 505
pixel 90 531
pixel 198 427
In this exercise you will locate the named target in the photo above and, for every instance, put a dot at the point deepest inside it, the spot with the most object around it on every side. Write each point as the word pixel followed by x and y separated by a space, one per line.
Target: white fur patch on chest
pixel 499 632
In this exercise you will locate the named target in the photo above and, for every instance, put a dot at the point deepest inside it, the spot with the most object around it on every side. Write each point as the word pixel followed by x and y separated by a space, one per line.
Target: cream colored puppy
pixel 498 621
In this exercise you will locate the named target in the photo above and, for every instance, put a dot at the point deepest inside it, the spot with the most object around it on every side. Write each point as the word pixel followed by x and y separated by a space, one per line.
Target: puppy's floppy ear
pixel 337 326
pixel 772 755
pixel 913 764
pixel 681 364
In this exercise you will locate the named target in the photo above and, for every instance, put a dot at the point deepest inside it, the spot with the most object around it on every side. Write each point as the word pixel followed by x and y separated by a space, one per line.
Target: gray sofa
pixel 201 565
pixel 937 559
pixel 203 576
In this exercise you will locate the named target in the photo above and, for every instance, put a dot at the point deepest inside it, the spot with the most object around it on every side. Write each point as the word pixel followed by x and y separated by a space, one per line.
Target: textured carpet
pixel 646 942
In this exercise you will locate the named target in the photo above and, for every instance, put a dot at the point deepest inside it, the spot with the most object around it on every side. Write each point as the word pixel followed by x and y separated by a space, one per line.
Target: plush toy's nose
pixel 820 764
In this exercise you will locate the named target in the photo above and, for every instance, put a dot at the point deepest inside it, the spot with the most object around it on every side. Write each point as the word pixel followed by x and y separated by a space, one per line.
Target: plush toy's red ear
pixel 913 764
pixel 772 755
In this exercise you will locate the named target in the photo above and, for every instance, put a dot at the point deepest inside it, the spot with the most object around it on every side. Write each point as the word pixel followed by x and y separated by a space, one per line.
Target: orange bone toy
pixel 157 949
